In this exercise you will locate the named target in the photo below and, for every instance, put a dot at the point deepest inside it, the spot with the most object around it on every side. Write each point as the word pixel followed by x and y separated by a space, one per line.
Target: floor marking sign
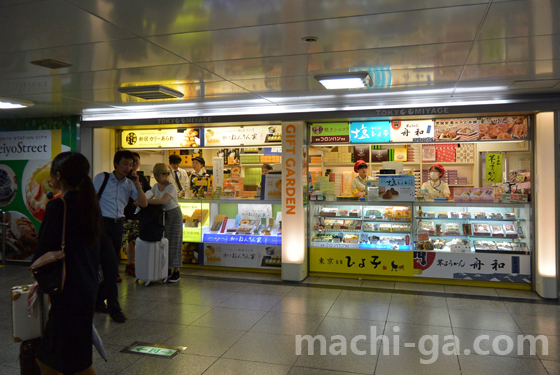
pixel 145 348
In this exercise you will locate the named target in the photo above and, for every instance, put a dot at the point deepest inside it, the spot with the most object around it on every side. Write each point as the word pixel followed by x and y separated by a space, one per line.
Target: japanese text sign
pixel 367 262
pixel 370 132
pixel 330 133
pixel 142 139
pixel 494 167
pixel 412 131
pixel 241 136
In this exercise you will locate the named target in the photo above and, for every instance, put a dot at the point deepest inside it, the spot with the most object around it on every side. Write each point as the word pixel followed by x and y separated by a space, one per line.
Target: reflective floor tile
pixel 480 305
pixel 221 317
pixel 359 310
pixel 378 284
pixel 207 341
pixel 304 306
pixel 133 307
pixel 431 316
pixel 513 293
pixel 138 330
pixel 401 333
pixel 492 321
pixel 340 356
pixel 364 296
pixel 264 347
pixel 552 344
pixel 552 367
pixel 313 371
pixel 251 302
pixel 538 324
pixel 494 365
pixel 287 324
pixel 458 289
pixel 338 281
pixel 281 290
pixel 532 308
pixel 176 313
pixel 408 362
pixel 116 361
pixel 224 366
pixel 423 287
pixel 350 328
pixel 184 364
pixel 208 297
pixel 309 292
pixel 413 300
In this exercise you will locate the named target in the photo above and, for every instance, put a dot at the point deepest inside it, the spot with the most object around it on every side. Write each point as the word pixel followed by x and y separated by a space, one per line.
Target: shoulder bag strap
pixel 103 185
pixel 63 245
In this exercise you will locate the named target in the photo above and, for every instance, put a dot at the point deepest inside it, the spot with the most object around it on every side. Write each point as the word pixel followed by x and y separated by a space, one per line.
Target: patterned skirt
pixel 174 234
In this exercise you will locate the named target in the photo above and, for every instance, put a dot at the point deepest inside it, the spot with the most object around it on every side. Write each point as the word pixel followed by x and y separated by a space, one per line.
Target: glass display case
pixel 234 233
pixel 361 225
pixel 472 227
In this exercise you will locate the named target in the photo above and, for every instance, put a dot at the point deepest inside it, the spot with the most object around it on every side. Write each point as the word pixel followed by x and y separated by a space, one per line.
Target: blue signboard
pixel 370 132
pixel 242 238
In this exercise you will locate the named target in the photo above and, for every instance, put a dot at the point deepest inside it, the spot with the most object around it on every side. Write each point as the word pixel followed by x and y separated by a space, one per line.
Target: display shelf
pixel 493 220
pixel 440 218
pixel 514 252
pixel 384 233
pixel 339 230
pixel 450 163
pixel 471 204
pixel 229 201
pixel 341 217
pixel 338 164
pixel 386 221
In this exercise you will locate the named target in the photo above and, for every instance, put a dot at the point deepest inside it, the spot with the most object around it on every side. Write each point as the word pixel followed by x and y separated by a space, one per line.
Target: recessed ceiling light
pixel 51 64
pixel 151 92
pixel 350 80
pixel 309 39
pixel 6 103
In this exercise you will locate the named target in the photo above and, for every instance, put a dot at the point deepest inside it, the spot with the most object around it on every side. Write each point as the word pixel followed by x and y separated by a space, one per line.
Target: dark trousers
pixel 109 264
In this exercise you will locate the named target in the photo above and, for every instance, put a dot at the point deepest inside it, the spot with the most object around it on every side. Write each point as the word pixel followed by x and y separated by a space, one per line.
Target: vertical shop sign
pixel 370 132
pixel 218 172
pixel 412 131
pixel 494 167
pixel 293 249
pixel 330 133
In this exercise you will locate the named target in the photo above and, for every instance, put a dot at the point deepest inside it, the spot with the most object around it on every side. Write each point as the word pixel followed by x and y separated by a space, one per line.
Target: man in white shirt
pixel 178 176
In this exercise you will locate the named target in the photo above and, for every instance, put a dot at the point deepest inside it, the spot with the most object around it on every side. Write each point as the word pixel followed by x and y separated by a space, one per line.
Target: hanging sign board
pixel 370 132
pixel 494 167
pixel 29 145
pixel 162 138
pixel 412 131
pixel 243 136
pixel 330 133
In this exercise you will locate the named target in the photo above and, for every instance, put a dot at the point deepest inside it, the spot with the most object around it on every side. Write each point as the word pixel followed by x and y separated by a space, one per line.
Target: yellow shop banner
pixel 365 262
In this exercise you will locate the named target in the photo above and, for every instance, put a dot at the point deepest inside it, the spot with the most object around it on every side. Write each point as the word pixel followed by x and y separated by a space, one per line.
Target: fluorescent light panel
pixel 6 103
pixel 351 80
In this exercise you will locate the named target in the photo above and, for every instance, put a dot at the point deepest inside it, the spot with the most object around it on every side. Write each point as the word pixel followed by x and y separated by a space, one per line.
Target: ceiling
pixel 247 56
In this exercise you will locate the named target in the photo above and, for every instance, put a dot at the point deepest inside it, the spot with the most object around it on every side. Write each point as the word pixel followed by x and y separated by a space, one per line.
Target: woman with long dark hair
pixel 66 346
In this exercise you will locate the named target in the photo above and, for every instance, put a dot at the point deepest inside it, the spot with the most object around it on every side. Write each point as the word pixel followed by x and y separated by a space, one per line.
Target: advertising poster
pixel 494 167
pixel 27 147
pixel 412 131
pixel 506 128
pixel 160 138
pixel 272 187
pixel 396 187
pixel 243 136
pixel 367 262
pixel 246 256
pixel 370 132
pixel 330 133
pixel 461 129
pixel 473 266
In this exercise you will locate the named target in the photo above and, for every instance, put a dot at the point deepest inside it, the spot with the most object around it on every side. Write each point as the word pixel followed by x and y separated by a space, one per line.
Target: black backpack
pixel 151 223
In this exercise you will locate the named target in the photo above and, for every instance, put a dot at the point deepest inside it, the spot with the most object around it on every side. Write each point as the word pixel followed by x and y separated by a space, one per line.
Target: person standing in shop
pixel 359 183
pixel 131 226
pixel 266 168
pixel 198 172
pixel 178 176
pixel 166 195
pixel 435 186
pixel 113 191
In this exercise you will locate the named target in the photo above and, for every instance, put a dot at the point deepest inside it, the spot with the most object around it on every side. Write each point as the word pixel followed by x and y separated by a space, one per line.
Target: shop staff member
pixel 266 168
pixel 435 186
pixel 178 176
pixel 199 171
pixel 359 182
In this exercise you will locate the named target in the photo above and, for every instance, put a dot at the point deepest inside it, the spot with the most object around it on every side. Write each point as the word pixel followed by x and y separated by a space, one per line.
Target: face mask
pixel 434 175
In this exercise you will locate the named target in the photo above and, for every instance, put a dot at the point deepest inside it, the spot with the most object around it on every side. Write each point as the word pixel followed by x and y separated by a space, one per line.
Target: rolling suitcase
pixel 26 325
pixel 152 260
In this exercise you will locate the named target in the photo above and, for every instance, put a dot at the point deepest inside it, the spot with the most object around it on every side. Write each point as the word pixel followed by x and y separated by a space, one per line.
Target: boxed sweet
pixel 350 238
pixel 510 215
pixel 329 211
pixel 481 230
pixel 374 214
pixel 450 229
pixel 355 212
pixel 497 230
pixel 480 215
pixel 510 230
pixel 385 227
pixel 503 246
pixel 467 229
pixel 465 215
pixel 371 227
pixel 402 213
pixel 427 226
pixel 443 215
pixel 389 213
pixel 401 154
pixel 379 155
pixel 401 227
pixel 460 194
pixel 428 153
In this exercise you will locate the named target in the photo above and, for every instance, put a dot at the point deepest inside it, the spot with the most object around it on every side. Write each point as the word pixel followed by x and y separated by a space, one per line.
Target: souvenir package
pixel 481 230
pixel 491 245
pixel 442 215
pixel 515 246
pixel 519 230
pixel 480 245
pixel 439 243
pixel 465 215
pixel 402 213
pixel 427 226
pixel 350 238
pixel 454 215
pixel 374 214
pixel 438 229
pixel 371 227
pixel 401 228
pixel 431 214
pixel 510 215
pixel 329 211
pixel 385 227
pixel 495 216
pixel 497 230
pixel 480 215
pixel 524 246
pixel 343 212
pixel 389 213
pixel 451 229
pixel 352 224
pixel 355 212
pixel 503 246
pixel 510 231
pixel 467 230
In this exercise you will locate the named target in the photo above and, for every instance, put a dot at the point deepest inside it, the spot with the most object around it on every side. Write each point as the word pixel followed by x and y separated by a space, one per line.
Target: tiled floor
pixel 247 323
